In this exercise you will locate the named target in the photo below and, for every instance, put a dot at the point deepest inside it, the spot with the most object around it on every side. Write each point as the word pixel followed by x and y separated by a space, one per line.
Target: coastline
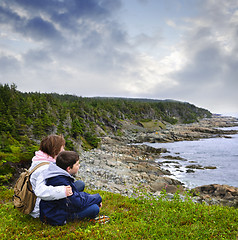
pixel 119 166
pixel 203 161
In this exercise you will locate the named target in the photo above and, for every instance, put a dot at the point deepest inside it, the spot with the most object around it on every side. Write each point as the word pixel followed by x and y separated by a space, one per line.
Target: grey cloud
pixel 143 1
pixel 40 29
pixel 82 26
pixel 67 15
pixel 205 66
pixel 36 57
pixel 63 13
pixel 231 73
pixel 92 40
pixel 210 74
pixel 33 4
pixel 201 34
pixel 208 58
pixel 9 64
pixel 36 28
pixel 65 10
pixel 8 17
pixel 151 41
pixel 10 70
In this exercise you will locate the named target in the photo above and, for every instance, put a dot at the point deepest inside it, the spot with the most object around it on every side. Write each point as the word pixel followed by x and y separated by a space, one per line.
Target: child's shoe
pixel 100 219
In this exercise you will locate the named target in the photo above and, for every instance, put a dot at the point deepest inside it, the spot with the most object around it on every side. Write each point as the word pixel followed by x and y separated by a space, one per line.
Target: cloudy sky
pixel 162 49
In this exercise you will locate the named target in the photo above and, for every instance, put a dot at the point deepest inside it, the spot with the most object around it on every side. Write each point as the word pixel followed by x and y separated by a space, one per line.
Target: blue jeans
pixel 88 212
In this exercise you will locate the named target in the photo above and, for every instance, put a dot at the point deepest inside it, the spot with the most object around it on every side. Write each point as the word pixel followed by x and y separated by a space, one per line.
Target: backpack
pixel 24 198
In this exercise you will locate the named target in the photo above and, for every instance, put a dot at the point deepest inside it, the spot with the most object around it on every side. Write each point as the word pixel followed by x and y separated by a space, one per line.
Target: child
pixel 77 206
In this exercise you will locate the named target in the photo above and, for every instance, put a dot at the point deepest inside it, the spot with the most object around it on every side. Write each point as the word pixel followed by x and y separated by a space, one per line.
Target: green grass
pixel 131 218
pixel 153 125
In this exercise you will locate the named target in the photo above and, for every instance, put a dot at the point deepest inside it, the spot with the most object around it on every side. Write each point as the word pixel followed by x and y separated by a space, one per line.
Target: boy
pixel 77 206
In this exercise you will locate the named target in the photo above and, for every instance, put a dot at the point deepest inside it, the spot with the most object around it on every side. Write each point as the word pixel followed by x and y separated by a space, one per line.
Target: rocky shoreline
pixel 119 166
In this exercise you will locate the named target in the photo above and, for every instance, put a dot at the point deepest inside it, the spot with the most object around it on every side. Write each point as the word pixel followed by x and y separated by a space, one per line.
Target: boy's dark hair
pixel 52 144
pixel 67 159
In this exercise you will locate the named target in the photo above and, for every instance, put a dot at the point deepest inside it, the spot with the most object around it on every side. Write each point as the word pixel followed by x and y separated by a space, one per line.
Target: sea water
pixel 221 153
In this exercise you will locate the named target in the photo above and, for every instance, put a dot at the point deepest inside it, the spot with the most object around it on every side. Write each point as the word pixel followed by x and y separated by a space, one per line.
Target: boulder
pixel 168 184
pixel 223 194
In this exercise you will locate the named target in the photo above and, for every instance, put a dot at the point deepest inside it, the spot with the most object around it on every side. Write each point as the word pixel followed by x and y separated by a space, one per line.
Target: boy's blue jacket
pixel 57 212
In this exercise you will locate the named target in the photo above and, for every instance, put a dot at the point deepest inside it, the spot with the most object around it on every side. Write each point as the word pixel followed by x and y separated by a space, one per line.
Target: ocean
pixel 221 153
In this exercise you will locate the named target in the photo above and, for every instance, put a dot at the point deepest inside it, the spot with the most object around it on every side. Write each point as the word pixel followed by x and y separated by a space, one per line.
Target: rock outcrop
pixel 123 168
pixel 217 194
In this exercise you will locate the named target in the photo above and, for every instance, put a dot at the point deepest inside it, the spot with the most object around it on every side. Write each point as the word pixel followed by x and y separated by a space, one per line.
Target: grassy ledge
pixel 131 218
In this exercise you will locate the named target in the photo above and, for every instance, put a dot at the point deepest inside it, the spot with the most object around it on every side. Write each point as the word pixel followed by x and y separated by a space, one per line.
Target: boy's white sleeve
pixel 48 193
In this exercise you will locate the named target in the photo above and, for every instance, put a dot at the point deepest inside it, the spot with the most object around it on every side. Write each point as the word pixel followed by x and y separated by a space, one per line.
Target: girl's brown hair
pixel 52 144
